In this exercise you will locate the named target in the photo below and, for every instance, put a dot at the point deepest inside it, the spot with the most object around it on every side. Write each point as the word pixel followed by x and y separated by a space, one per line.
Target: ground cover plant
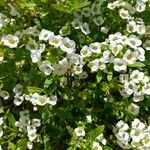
pixel 74 74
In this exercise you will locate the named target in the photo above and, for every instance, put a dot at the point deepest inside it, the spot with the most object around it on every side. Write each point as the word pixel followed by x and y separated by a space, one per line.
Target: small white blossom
pixel 86 12
pixel 79 131
pixel 10 41
pixel 46 67
pixel 98 20
pixel 85 28
pixel 55 40
pixel 124 13
pixel 119 65
pixel 68 45
pixel 18 89
pixel 134 109
pixel 96 146
pixel 95 47
pixel 45 34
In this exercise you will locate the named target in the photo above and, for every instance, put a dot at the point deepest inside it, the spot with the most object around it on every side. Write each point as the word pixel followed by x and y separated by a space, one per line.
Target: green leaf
pixel 34 89
pixel 94 133
pixel 109 76
pixel 11 146
pixel 99 77
pixel 71 7
pixel 107 148
pixel 22 144
pixel 137 64
pixel 48 82
pixel 11 120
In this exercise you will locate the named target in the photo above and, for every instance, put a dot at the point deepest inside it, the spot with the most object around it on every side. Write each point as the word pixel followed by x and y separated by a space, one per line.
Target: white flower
pixel 140 7
pixel 136 135
pixel 94 64
pixel 96 146
pixel 146 142
pixel 138 98
pixel 147 89
pixel 36 56
pixel 134 109
pixel 46 67
pixel 3 20
pixel 34 98
pixel 140 53
pixel 137 124
pixel 131 27
pixel 86 11
pixel 95 47
pixel 85 52
pixel 130 57
pixel 13 10
pixel 42 100
pixel 115 48
pixel 53 100
pixel 29 145
pixel 141 29
pixel 32 46
pixel 1 121
pixel 146 45
pixel 124 13
pixel 68 45
pixel 89 118
pixel 78 13
pixel 77 69
pixel 123 78
pixel 123 136
pixel 1 132
pixel 32 136
pixel 31 30
pixel 115 38
pixel 119 65
pixel 85 28
pixel 104 30
pixel 79 131
pixel 107 56
pixel 75 59
pixel 101 63
pixel 137 76
pixel 55 40
pixel 130 87
pixel 98 20
pixel 18 100
pixel 10 41
pixel 4 94
pixel 133 42
pixel 76 23
pixel 36 122
pixel 83 75
pixel 95 9
pixel 59 69
pixel 67 64
pixel 45 34
pixel 113 5
pixel 121 126
pixel 18 89
pixel 1 147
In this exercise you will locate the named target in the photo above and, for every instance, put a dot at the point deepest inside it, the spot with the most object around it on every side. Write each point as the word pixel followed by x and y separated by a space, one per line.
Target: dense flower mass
pixel 75 74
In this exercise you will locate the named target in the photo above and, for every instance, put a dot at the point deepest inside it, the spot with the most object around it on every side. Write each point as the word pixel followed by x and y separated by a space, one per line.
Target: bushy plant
pixel 74 74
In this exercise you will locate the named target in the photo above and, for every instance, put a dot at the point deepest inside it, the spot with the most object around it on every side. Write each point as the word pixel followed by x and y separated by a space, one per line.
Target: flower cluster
pixel 41 100
pixel 136 84
pixel 136 136
pixel 25 124
pixel 87 12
